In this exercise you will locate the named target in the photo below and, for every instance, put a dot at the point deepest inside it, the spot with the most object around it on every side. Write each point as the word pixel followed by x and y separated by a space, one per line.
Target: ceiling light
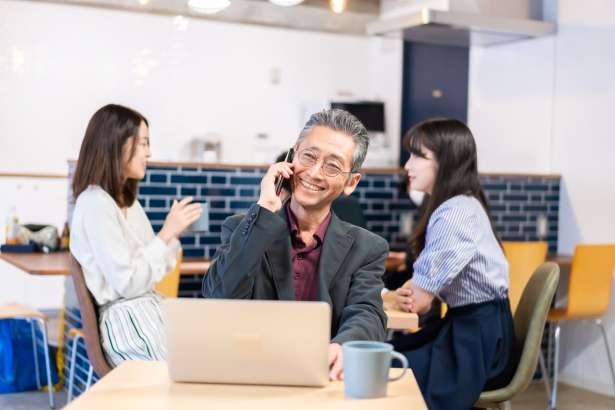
pixel 286 3
pixel 208 6
pixel 144 2
pixel 180 23
pixel 337 6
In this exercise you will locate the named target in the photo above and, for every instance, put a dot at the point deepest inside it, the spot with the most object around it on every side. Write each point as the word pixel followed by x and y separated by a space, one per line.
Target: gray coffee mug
pixel 366 368
pixel 201 224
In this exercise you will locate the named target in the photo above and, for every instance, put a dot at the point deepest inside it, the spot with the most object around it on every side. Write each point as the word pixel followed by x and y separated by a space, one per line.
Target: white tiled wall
pixel 189 77
pixel 37 200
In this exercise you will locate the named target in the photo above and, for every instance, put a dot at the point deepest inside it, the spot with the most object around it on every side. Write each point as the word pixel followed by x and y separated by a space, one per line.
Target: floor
pixel 31 401
pixel 570 398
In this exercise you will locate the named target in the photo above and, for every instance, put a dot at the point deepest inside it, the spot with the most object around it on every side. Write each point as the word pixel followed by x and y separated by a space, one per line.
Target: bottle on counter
pixel 65 238
pixel 5 230
pixel 12 227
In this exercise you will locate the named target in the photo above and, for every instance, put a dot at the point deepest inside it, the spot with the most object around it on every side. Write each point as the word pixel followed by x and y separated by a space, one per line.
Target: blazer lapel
pixel 279 259
pixel 336 246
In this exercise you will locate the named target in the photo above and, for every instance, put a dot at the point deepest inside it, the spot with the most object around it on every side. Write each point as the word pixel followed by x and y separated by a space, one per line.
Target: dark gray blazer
pixel 254 262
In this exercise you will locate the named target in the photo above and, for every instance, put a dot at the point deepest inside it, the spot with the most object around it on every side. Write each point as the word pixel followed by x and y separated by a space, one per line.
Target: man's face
pixel 329 151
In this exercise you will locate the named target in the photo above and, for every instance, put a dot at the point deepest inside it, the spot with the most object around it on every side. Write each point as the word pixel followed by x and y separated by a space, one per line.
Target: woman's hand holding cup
pixel 182 214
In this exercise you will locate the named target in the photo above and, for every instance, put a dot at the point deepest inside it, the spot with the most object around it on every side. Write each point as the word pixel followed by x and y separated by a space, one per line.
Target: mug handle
pixel 404 362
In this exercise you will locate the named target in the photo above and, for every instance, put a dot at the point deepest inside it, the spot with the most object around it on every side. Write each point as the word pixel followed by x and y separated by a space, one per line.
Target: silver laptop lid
pixel 247 341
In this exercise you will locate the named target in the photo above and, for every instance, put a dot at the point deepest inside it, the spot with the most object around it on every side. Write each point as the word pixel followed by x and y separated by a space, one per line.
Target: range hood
pixel 466 23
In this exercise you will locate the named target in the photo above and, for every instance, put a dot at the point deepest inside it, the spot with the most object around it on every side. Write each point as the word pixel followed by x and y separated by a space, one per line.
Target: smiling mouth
pixel 309 186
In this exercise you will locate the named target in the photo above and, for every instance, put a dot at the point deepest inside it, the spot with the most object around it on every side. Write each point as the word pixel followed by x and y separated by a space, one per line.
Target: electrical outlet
pixel 541 226
pixel 275 76
pixel 406 221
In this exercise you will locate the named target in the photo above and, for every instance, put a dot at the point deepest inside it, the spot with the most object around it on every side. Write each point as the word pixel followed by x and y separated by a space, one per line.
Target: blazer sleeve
pixel 363 317
pixel 244 241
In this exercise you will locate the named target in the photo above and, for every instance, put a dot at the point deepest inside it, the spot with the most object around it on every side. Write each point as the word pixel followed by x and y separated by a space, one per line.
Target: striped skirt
pixel 132 329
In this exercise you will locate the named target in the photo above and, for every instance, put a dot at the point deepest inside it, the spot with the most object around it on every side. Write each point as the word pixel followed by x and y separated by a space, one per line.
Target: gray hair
pixel 344 122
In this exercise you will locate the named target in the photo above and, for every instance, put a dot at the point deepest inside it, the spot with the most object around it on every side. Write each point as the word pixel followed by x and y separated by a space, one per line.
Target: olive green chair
pixel 529 319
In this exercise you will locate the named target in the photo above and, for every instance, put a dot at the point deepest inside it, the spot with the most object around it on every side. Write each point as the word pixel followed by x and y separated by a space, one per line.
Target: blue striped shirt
pixel 462 262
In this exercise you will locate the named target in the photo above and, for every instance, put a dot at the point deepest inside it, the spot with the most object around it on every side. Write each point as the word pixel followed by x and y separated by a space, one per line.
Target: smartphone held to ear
pixel 280 182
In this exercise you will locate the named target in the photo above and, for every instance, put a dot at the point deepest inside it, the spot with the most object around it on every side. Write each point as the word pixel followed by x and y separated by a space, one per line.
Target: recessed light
pixel 208 6
pixel 286 3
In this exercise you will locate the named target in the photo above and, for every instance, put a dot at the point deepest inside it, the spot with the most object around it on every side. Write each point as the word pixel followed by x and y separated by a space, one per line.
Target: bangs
pixel 413 141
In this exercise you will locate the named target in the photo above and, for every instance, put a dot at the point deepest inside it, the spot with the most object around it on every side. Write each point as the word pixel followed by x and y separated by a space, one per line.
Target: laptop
pixel 248 341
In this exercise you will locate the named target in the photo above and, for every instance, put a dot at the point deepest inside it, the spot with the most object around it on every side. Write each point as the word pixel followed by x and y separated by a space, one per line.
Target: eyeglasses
pixel 309 158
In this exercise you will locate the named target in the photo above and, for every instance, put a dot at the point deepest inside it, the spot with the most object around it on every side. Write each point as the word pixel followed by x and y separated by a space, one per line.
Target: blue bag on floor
pixel 17 370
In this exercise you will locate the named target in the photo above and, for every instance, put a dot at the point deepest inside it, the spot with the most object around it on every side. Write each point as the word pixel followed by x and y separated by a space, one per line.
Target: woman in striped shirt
pixel 121 257
pixel 460 262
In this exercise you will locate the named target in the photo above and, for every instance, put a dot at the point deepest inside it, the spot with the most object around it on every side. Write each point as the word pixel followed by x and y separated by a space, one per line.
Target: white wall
pixel 545 106
pixel 58 64
pixel 385 70
pixel 37 200
pixel 510 105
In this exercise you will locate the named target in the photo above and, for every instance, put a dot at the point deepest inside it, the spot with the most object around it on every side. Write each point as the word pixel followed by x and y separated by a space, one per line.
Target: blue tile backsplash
pixel 516 202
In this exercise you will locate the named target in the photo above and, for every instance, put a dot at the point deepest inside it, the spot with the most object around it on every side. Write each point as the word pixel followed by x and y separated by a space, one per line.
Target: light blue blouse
pixel 462 262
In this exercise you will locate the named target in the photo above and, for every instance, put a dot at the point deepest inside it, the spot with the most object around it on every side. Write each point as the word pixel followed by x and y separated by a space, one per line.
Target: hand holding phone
pixel 271 184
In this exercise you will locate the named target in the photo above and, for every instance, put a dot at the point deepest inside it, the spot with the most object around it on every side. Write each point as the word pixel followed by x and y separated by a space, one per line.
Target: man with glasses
pixel 299 249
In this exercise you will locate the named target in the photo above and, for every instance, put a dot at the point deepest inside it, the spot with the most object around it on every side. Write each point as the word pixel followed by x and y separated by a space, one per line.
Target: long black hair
pixel 100 158
pixel 454 149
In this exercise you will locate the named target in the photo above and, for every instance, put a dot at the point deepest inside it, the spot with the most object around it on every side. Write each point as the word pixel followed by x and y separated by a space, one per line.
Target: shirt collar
pixel 293 227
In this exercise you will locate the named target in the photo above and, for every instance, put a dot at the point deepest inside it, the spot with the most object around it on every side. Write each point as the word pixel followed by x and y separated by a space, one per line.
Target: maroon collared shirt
pixel 305 258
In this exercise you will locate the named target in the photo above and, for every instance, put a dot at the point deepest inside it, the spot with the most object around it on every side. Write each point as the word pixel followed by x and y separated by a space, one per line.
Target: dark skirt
pixel 470 350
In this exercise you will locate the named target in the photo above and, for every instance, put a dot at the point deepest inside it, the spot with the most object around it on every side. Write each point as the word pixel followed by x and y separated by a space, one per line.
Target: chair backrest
pixel 529 320
pixel 89 320
pixel 523 258
pixel 169 285
pixel 591 279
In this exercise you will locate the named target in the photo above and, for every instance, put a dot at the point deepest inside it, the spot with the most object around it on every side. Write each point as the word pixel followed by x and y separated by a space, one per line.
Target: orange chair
pixel 523 259
pixel 169 285
pixel 589 291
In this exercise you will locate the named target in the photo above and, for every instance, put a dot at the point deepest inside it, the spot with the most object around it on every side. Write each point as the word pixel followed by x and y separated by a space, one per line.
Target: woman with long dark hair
pixel 121 257
pixel 459 261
